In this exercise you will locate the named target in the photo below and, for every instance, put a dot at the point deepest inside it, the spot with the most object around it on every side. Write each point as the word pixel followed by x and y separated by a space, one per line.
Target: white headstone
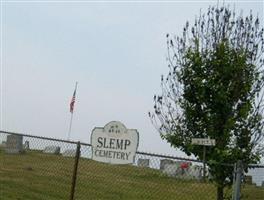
pixel 3 144
pixel 26 145
pixel 163 162
pixel 69 153
pixel 52 150
pixel 257 175
pixel 196 172
pixel 14 144
pixel 171 169
pixel 114 144
pixel 143 162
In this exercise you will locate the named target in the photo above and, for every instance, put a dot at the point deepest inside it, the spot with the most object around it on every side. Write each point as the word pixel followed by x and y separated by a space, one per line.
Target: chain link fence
pixel 33 168
pixel 39 168
pixel 151 176
pixel 252 182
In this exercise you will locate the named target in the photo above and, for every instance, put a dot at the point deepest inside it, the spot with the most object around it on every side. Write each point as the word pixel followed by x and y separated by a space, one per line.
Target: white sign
pixel 203 141
pixel 114 143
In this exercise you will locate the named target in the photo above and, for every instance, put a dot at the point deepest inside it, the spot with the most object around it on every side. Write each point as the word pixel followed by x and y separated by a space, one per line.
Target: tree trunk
pixel 220 193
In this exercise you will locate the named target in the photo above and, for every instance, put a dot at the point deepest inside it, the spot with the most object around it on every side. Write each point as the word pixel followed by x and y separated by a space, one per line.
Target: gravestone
pixel 3 144
pixel 52 150
pixel 163 162
pixel 196 172
pixel 26 145
pixel 248 179
pixel 143 162
pixel 69 153
pixel 185 169
pixel 14 144
pixel 170 169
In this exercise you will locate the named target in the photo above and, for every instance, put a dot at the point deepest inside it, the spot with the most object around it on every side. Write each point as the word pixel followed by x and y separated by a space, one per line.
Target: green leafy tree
pixel 214 88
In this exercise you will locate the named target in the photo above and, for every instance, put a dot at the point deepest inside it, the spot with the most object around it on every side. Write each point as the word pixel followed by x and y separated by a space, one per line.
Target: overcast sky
pixel 116 51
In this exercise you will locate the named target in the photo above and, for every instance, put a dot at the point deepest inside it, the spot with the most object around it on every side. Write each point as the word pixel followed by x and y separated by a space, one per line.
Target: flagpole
pixel 69 133
pixel 70 127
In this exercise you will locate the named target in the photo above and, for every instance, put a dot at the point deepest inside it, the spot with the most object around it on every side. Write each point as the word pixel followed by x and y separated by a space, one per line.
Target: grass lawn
pixel 38 176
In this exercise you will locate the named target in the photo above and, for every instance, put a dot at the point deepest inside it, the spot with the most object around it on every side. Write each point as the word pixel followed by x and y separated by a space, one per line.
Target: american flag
pixel 72 101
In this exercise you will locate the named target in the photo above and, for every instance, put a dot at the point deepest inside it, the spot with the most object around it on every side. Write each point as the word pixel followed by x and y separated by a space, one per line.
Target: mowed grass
pixel 38 176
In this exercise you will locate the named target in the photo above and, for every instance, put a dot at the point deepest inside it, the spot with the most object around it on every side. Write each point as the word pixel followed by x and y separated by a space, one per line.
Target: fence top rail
pixel 86 144
pixel 138 152
pixel 169 157
pixel 256 166
pixel 39 137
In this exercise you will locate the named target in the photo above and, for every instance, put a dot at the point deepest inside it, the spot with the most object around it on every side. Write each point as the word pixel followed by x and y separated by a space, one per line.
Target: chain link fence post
pixel 238 178
pixel 75 169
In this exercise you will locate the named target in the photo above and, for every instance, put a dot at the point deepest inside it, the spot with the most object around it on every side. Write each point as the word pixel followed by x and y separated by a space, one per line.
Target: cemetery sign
pixel 114 143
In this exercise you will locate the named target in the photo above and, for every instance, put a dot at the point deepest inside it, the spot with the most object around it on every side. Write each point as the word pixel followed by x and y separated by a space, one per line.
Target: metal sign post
pixel 204 162
pixel 204 142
